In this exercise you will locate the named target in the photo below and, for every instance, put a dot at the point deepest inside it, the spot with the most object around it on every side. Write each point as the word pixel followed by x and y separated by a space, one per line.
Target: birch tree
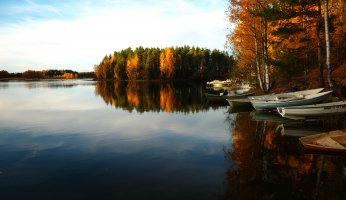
pixel 326 28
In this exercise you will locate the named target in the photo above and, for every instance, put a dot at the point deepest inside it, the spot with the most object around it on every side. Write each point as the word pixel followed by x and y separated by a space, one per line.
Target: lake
pixel 78 139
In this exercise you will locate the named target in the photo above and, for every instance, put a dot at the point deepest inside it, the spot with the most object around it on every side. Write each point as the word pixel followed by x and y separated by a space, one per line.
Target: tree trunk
pixel 319 45
pixel 329 70
pixel 265 54
pixel 256 51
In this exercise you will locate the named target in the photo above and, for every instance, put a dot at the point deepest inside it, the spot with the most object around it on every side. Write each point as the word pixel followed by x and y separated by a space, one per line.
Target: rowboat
pixel 323 109
pixel 242 102
pixel 219 84
pixel 293 101
pixel 229 95
pixel 329 141
pixel 287 95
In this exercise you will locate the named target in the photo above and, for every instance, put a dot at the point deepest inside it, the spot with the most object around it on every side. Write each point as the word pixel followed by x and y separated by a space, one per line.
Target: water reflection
pixel 268 165
pixel 67 143
pixel 155 97
pixel 53 83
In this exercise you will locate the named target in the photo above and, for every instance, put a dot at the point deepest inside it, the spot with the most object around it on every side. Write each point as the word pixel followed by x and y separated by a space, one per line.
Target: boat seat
pixel 290 98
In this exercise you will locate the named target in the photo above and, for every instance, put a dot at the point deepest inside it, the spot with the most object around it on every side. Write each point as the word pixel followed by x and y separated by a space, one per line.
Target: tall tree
pixel 167 62
pixel 132 67
pixel 319 43
pixel 326 27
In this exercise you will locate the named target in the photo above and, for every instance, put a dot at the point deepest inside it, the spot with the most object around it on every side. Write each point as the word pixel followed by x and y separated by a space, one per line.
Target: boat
pixel 241 102
pixel 287 95
pixel 334 141
pixel 219 84
pixel 292 101
pixel 323 109
pixel 229 95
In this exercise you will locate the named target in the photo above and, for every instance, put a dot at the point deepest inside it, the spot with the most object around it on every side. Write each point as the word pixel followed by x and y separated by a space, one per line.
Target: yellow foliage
pixel 70 75
pixel 167 62
pixel 132 70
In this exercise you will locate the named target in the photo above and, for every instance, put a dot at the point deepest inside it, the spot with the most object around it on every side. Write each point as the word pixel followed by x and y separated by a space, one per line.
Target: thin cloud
pixel 99 29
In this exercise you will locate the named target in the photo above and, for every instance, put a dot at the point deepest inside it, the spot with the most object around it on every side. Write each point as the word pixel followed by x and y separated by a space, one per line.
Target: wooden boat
pixel 293 101
pixel 232 95
pixel 323 109
pixel 329 141
pixel 287 95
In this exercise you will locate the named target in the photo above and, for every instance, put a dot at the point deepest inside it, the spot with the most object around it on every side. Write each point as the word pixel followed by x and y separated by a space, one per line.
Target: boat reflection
pixel 269 116
pixel 240 109
pixel 305 128
pixel 268 165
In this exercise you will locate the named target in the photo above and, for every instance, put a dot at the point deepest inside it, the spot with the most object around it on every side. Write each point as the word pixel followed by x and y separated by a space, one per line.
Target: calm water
pixel 95 140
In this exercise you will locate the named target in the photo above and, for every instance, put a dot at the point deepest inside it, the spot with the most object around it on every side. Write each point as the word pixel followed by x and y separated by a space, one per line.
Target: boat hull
pixel 240 102
pixel 271 97
pixel 274 104
pixel 213 97
pixel 316 110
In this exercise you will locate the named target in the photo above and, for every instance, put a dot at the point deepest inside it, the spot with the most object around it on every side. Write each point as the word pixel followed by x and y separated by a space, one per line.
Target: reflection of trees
pixel 153 96
pixel 166 98
pixel 270 166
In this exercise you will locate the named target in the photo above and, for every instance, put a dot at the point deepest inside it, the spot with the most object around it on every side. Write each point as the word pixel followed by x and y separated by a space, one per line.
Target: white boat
pixel 329 141
pixel 292 101
pixel 219 84
pixel 323 109
pixel 287 95
pixel 229 95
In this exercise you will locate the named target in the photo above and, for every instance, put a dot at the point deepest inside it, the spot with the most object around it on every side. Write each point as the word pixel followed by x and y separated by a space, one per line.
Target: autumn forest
pixel 170 63
pixel 277 40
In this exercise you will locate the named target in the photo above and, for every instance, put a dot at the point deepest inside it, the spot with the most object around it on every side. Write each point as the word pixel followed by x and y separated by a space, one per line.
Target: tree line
pixel 281 39
pixel 44 74
pixel 169 63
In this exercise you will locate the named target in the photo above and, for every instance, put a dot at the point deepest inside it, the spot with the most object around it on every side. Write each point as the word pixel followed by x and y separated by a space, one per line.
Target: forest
pixel 46 74
pixel 169 63
pixel 282 41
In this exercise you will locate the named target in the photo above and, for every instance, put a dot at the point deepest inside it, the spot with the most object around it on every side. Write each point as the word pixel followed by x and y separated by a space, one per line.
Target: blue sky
pixel 76 34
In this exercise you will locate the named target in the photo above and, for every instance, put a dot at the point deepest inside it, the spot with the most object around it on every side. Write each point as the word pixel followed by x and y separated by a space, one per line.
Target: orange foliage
pixel 339 74
pixel 248 18
pixel 132 66
pixel 167 62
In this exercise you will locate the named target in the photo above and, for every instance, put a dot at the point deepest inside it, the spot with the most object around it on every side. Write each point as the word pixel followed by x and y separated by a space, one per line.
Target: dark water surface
pixel 96 140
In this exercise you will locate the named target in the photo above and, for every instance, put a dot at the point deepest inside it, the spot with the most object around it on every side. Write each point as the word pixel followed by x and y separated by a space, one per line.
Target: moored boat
pixel 219 84
pixel 229 95
pixel 241 102
pixel 287 95
pixel 334 141
pixel 323 109
pixel 293 101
